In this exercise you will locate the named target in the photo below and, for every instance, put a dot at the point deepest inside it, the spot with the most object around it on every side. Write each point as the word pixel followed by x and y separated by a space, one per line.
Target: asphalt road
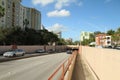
pixel 3 59
pixel 34 68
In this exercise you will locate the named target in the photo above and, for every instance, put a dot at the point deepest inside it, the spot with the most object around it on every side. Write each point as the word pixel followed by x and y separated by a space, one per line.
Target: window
pixel 108 42
pixel 108 37
pixel 2 20
pixel 3 3
pixel 8 5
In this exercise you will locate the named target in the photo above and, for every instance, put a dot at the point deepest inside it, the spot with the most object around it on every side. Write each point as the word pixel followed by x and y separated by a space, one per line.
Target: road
pixel 34 68
pixel 3 59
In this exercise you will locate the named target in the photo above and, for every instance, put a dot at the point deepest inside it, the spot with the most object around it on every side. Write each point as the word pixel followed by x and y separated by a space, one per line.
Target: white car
pixel 118 47
pixel 13 53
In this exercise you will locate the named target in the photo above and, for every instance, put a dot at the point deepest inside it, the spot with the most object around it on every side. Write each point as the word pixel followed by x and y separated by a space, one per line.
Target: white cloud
pixel 42 2
pixel 57 28
pixel 59 4
pixel 58 13
pixel 107 1
pixel 80 3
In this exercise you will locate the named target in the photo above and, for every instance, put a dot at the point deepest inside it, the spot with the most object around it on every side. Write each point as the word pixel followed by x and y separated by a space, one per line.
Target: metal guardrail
pixel 59 73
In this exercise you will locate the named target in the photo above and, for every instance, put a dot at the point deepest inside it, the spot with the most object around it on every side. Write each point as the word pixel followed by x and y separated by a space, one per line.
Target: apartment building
pixel 11 17
pixel 35 19
pixel 103 40
pixel 16 14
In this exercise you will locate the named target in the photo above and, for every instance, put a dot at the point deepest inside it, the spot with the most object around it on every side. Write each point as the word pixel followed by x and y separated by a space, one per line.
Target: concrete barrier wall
pixel 69 72
pixel 33 48
pixel 30 48
pixel 104 62
pixel 4 48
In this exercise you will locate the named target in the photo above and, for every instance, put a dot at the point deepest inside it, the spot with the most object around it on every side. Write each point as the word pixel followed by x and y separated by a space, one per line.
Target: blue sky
pixel 73 16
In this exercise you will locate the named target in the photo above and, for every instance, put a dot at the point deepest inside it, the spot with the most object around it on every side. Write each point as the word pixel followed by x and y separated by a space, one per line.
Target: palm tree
pixel 118 35
pixel 2 11
pixel 115 36
pixel 25 23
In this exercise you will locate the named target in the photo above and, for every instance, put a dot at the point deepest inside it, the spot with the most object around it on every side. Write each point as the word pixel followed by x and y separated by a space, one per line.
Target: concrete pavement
pixel 34 68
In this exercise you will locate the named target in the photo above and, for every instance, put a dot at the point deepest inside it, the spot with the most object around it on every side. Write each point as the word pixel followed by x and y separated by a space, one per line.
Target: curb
pixel 17 58
pixel 91 69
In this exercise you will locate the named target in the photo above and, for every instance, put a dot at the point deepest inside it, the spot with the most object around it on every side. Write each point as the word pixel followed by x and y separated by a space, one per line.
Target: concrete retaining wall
pixel 33 48
pixel 104 62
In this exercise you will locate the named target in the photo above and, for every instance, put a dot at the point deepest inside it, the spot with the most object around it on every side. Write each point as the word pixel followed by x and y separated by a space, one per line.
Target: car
pixel 1 53
pixel 50 51
pixel 13 53
pixel 69 51
pixel 40 51
pixel 118 47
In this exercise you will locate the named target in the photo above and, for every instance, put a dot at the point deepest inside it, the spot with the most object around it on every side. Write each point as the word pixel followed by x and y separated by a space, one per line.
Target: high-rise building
pixel 42 27
pixel 21 17
pixel 18 15
pixel 11 17
pixel 35 19
pixel 59 34
pixel 25 18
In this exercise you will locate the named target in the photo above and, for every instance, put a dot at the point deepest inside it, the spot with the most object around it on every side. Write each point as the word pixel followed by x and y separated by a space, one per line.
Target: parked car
pixel 118 47
pixel 1 53
pixel 40 51
pixel 13 53
pixel 50 51
pixel 69 51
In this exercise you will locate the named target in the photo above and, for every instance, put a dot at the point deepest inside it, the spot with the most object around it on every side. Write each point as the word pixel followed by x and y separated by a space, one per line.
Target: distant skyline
pixel 73 16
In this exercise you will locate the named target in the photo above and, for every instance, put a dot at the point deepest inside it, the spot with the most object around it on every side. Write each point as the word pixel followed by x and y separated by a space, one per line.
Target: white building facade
pixel 85 35
pixel 12 10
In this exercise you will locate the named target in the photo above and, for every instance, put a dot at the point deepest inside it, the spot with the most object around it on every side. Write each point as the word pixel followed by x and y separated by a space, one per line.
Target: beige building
pixel 35 19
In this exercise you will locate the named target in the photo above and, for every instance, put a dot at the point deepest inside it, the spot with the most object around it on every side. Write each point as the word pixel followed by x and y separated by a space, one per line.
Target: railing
pixel 67 65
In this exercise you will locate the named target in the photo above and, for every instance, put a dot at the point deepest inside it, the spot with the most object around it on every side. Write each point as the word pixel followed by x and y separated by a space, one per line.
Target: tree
pixel 118 31
pixel 117 34
pixel 2 36
pixel 85 42
pixel 2 11
pixel 97 32
pixel 25 23
pixel 92 37
pixel 26 37
pixel 111 32
pixel 61 42
pixel 76 42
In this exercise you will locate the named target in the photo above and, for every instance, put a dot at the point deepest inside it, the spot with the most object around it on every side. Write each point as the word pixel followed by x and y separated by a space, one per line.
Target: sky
pixel 73 16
